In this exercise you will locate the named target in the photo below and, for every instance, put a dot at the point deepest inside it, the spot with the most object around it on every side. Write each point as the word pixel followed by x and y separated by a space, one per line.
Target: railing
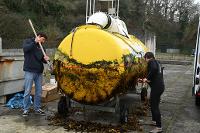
pixel 172 56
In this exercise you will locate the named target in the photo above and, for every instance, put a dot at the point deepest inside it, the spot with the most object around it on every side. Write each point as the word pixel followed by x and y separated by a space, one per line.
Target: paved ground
pixel 179 114
pixel 178 103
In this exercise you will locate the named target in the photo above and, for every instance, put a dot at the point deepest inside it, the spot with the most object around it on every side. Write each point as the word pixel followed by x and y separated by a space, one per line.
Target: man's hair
pixel 42 35
pixel 149 55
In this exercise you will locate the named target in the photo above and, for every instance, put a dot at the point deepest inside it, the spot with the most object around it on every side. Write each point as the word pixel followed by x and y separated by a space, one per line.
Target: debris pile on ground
pixel 85 126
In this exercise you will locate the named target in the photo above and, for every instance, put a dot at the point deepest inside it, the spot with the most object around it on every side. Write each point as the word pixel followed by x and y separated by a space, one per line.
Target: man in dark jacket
pixel 33 67
pixel 155 80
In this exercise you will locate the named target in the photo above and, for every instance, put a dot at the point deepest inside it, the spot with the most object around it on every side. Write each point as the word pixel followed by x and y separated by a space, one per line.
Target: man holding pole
pixel 33 67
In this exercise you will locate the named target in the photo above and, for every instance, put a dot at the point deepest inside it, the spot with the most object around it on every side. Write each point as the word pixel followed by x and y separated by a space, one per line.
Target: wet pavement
pixel 179 113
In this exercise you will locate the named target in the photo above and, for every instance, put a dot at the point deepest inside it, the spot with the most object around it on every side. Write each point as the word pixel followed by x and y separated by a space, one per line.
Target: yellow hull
pixel 89 43
pixel 92 64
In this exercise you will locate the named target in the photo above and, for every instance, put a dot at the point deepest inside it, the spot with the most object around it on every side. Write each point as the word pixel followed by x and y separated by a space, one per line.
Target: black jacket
pixel 155 76
pixel 33 56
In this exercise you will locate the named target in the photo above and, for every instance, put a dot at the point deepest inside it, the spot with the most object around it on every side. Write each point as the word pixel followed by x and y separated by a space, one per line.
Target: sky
pixel 195 1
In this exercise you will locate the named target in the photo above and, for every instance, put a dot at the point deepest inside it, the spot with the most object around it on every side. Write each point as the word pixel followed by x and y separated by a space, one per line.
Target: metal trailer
pixel 196 83
pixel 113 105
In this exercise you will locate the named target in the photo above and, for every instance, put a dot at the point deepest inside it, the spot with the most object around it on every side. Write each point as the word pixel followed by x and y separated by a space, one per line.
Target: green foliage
pixel 14 5
pixel 174 22
pixel 13 28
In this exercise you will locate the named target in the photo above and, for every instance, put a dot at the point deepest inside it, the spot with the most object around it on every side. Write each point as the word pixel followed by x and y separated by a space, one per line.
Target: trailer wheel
pixel 123 114
pixel 197 100
pixel 63 106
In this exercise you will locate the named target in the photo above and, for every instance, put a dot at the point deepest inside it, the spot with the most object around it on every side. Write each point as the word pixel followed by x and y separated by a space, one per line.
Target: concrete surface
pixel 179 114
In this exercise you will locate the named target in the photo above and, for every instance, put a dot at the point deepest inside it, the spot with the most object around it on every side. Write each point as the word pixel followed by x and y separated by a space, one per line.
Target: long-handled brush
pixel 48 62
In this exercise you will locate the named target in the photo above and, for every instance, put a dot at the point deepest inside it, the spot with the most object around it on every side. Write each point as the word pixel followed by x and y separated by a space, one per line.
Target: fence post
pixel 0 45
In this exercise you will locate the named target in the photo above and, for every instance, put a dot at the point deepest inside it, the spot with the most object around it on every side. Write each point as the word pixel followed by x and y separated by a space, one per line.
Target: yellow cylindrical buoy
pixel 92 64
